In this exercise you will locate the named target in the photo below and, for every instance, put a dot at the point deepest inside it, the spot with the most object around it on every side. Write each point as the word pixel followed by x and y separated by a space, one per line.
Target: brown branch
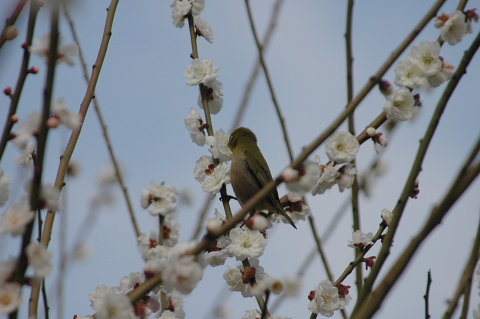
pixel 15 97
pixel 103 125
pixel 13 18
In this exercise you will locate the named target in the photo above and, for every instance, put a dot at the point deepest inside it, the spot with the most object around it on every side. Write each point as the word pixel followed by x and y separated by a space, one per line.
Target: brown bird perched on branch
pixel 249 172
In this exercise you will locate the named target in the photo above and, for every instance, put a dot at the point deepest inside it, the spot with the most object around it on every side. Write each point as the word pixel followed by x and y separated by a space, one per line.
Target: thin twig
pixel 13 18
pixel 465 282
pixel 65 159
pixel 416 167
pixel 351 129
pixel 202 215
pixel 427 294
pixel 256 69
pixel 106 135
pixel 15 97
pixel 281 118
pixel 36 185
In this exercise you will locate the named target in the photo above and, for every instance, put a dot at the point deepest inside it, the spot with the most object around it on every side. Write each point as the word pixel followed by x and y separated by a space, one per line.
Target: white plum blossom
pixel 387 216
pixel 219 144
pixel 180 11
pixel 70 119
pixel 445 74
pixel 113 306
pixel 39 258
pixel 328 178
pixel 326 299
pixel 15 218
pixel 26 130
pixel 50 195
pixel 196 127
pixel 203 166
pixel 268 283
pixel 216 222
pixel 409 74
pixel 426 56
pixel 309 175
pixel 238 279
pixel 246 243
pixel 99 293
pixel 107 176
pixel 201 71
pixel 400 105
pixel 10 297
pixel 159 199
pixel 203 29
pixel 4 187
pixel 360 239
pixel 215 178
pixel 342 147
pixel 347 176
pixel 26 156
pixel 214 97
pixel 216 258
pixel 129 282
pixel 379 139
pixel 455 28
pixel 65 53
pixel 252 314
pixel 171 231
pixel 182 274
pixel 175 302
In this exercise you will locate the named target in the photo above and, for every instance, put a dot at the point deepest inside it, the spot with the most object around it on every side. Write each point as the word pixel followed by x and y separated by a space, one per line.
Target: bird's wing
pixel 262 176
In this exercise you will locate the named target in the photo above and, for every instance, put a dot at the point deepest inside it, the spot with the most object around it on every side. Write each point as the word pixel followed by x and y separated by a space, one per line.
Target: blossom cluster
pixel 326 298
pixel 425 66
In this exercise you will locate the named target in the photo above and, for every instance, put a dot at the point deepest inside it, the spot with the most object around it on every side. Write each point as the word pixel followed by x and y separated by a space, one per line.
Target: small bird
pixel 249 172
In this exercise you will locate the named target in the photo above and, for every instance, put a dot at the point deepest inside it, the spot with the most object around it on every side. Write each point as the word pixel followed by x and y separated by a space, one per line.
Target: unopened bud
pixel 386 88
pixel 25 45
pixel 34 69
pixel 257 222
pixel 10 33
pixel 418 101
pixel 7 91
pixel 14 118
pixel 290 175
pixel 53 122
pixel 371 131
pixel 213 226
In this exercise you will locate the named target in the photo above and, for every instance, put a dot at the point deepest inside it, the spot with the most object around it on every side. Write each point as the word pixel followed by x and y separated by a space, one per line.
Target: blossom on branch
pixel 219 144
pixel 325 299
pixel 246 243
pixel 203 29
pixel 65 53
pixel 215 177
pixel 426 56
pixel 16 218
pixel 195 125
pixel 360 239
pixel 214 97
pixel 201 71
pixel 400 105
pixel 342 147
pixel 159 199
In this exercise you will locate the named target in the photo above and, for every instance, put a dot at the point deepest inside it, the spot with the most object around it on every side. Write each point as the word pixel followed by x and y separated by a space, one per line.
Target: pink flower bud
pixel 386 88
pixel 34 70
pixel 14 118
pixel 7 91
pixel 53 122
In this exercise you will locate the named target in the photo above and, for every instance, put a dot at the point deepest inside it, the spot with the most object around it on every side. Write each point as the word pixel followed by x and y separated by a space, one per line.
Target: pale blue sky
pixel 144 98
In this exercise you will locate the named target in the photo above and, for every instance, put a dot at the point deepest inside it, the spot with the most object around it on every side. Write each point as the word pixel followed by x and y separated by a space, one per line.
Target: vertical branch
pixel 351 129
pixel 15 98
pixel 256 69
pixel 36 185
pixel 269 81
pixel 427 294
pixel 465 283
pixel 103 125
